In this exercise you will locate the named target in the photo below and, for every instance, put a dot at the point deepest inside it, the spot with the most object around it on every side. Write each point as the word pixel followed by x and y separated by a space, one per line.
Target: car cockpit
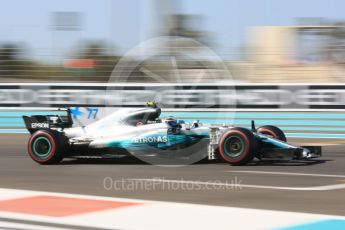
pixel 151 115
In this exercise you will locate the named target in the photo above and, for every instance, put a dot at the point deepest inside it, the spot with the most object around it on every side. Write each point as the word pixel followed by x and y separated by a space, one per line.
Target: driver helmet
pixel 151 104
pixel 171 121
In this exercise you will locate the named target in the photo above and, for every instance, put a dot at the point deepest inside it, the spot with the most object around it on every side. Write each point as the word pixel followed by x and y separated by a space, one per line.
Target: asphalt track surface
pixel 314 186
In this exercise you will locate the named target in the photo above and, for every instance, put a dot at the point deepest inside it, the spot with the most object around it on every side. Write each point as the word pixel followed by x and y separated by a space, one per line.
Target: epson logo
pixel 39 125
pixel 158 139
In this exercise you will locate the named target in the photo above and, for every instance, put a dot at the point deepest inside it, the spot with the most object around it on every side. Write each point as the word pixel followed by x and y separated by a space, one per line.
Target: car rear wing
pixel 51 121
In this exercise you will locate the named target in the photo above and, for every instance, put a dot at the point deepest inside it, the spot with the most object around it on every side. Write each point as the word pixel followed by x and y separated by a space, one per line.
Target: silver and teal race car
pixel 142 133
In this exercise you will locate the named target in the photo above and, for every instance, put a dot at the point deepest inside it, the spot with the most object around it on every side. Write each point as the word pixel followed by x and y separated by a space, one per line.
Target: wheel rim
pixel 234 146
pixel 42 147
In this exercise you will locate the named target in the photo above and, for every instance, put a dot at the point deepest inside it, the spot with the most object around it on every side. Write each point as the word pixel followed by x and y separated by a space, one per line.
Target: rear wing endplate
pixel 37 122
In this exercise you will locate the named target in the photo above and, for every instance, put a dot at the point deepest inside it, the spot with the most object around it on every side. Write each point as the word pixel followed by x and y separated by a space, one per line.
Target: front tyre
pixel 272 131
pixel 47 146
pixel 238 146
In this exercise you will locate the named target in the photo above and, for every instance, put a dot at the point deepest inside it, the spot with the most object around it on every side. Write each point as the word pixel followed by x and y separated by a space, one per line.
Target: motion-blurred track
pixel 314 186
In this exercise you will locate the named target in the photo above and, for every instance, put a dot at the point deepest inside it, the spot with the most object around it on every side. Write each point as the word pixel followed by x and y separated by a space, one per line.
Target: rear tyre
pixel 238 146
pixel 47 146
pixel 272 131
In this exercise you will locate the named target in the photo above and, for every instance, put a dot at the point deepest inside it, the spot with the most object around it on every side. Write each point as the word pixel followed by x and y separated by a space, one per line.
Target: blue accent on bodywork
pixel 76 112
pixel 92 113
pixel 275 143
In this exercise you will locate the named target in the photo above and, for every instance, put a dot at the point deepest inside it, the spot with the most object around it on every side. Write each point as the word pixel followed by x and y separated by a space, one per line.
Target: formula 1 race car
pixel 140 132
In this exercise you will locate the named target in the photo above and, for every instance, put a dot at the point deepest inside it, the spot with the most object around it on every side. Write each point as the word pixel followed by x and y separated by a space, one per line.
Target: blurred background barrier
pixel 302 111
pixel 175 95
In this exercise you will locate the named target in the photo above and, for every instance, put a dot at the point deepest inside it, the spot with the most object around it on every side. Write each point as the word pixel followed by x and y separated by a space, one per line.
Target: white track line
pixel 234 186
pixel 18 226
pixel 288 173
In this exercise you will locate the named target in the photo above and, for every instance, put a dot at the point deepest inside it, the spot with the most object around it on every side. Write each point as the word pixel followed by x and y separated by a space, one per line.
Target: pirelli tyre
pixel 272 131
pixel 237 146
pixel 47 146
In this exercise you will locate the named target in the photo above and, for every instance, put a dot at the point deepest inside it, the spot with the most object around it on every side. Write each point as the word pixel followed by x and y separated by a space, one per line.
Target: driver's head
pixel 170 121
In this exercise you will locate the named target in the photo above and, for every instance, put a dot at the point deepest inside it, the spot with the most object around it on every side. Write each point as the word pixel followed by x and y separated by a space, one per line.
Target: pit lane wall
pixel 309 111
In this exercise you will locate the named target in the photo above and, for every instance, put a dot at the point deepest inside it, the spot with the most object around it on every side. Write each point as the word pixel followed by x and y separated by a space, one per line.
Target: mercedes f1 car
pixel 141 132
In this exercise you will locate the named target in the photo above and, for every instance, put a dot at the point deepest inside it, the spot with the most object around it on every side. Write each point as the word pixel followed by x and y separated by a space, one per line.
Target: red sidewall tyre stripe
pixel 52 151
pixel 246 142
pixel 269 132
